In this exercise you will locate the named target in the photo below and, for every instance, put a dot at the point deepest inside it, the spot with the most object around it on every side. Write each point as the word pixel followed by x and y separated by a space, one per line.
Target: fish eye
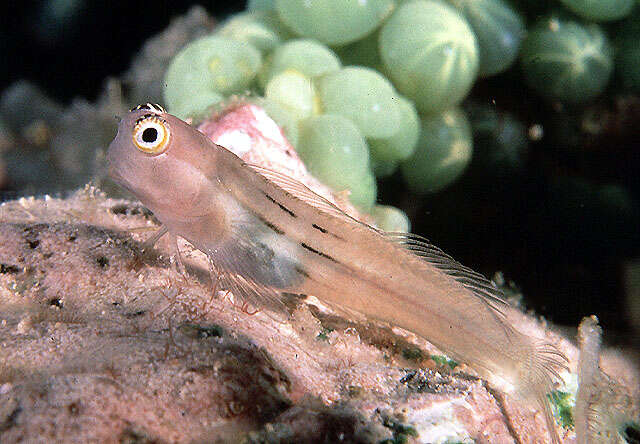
pixel 151 134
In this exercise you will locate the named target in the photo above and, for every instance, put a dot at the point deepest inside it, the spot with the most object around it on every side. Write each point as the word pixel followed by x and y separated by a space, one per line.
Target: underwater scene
pixel 320 221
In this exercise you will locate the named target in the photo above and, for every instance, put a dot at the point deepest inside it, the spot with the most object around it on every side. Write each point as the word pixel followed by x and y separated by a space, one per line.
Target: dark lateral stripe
pixel 325 231
pixel 282 207
pixel 269 224
pixel 302 271
pixel 319 253
pixel 318 227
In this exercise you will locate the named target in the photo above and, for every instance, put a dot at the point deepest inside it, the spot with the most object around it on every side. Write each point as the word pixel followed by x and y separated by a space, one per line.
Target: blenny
pixel 266 234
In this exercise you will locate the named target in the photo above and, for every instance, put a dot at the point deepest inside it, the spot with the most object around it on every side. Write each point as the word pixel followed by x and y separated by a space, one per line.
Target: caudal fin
pixel 544 367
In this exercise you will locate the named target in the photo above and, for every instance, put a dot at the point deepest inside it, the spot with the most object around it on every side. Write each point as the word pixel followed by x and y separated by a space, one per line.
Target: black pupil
pixel 149 135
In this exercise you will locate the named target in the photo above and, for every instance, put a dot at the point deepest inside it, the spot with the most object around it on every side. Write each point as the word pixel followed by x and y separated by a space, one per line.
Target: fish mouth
pixel 117 178
pixel 114 173
pixel 113 167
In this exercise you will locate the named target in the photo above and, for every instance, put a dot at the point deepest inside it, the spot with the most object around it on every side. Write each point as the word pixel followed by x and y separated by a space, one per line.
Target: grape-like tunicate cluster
pixel 365 89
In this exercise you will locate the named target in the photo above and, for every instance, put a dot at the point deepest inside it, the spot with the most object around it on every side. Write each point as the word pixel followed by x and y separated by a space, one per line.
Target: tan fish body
pixel 266 234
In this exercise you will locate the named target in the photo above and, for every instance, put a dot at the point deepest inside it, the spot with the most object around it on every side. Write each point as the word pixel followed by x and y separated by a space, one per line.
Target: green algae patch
pixel 401 432
pixel 324 334
pixel 443 361
pixel 562 404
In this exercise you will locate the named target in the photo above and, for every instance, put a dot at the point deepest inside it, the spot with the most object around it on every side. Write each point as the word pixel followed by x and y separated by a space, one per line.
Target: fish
pixel 267 234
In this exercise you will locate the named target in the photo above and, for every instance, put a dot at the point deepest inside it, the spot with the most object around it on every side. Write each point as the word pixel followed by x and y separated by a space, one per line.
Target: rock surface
pixel 102 343
pixel 99 343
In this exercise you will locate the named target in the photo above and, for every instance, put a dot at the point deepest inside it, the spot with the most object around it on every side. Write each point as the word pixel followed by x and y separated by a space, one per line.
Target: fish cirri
pixel 266 234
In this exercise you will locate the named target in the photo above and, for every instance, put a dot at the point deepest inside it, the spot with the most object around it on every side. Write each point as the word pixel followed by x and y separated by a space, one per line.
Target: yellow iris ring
pixel 157 146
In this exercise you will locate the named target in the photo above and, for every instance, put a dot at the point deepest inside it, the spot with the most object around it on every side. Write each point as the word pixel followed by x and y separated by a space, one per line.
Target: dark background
pixel 551 229
pixel 72 57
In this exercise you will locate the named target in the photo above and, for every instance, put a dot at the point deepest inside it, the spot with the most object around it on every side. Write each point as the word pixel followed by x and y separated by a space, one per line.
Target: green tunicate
pixel 264 75
pixel 499 30
pixel 364 96
pixel 281 116
pixel 196 106
pixel 363 193
pixel 600 10
pixel 364 52
pixel 209 66
pixel 294 92
pixel 335 152
pixel 431 54
pixel 390 218
pixel 255 5
pixel 261 28
pixel 278 114
pixel 566 60
pixel 383 169
pixel 402 143
pixel 308 57
pixel 333 22
pixel 444 150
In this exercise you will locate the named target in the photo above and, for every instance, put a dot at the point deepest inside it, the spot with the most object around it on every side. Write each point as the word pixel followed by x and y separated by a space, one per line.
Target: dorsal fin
pixel 472 280
pixel 301 191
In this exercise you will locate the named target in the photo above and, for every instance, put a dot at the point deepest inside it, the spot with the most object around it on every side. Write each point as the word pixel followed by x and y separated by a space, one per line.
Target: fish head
pixel 162 160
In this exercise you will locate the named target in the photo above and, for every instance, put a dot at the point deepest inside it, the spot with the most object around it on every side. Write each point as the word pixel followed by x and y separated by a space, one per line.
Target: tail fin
pixel 544 366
